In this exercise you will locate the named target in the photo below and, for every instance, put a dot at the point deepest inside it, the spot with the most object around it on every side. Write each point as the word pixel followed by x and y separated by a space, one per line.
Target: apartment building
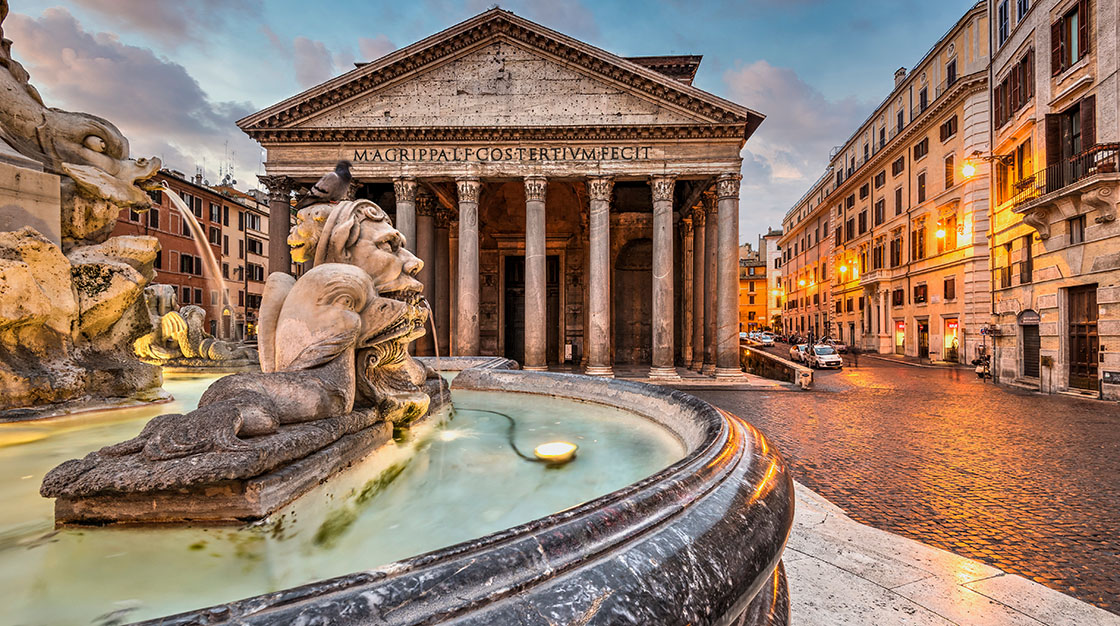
pixel 909 230
pixel 245 254
pixel 806 249
pixel 772 255
pixel 752 289
pixel 1055 241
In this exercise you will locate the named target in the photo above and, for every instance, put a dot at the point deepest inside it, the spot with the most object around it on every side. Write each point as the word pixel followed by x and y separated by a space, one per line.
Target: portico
pixel 547 185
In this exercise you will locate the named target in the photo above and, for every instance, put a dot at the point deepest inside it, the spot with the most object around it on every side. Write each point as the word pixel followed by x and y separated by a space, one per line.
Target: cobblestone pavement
pixel 1025 482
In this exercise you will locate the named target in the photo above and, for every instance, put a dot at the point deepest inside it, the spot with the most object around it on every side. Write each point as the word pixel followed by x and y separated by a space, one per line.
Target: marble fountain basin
pixel 672 512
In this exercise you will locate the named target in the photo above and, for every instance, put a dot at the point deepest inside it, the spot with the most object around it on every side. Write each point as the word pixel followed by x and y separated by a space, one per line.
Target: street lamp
pixel 969 167
pixel 940 233
pixel 801 283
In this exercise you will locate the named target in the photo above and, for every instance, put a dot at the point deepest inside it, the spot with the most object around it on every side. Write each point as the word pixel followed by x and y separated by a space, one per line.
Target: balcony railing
pixel 1100 159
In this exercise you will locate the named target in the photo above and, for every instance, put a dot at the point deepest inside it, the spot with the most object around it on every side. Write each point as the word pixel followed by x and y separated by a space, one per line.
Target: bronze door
pixel 1084 346
pixel 923 340
pixel 515 308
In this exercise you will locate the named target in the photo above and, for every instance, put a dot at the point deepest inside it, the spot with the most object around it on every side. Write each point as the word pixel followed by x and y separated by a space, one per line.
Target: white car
pixel 766 339
pixel 797 352
pixel 824 356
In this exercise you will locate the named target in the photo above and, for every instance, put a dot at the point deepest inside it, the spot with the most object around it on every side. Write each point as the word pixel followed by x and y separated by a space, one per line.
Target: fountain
pixel 347 482
pixel 70 296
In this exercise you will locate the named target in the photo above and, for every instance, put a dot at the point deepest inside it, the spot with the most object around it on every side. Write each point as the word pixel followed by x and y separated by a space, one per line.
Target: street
pixel 1028 483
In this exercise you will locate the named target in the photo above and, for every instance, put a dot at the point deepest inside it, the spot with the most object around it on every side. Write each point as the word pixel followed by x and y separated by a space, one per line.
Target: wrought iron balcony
pixel 1040 186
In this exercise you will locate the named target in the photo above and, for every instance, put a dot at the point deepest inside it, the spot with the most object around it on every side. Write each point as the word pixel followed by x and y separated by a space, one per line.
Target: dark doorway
pixel 1083 340
pixel 514 312
pixel 923 339
pixel 1031 345
pixel 633 303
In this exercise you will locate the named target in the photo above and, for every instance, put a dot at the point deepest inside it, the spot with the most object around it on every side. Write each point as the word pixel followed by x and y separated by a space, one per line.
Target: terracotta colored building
pixel 753 293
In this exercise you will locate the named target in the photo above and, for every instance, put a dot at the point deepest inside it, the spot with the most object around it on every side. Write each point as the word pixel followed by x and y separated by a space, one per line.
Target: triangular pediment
pixel 500 70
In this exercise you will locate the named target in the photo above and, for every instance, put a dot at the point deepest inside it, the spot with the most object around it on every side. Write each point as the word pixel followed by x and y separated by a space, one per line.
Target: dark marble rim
pixel 729 466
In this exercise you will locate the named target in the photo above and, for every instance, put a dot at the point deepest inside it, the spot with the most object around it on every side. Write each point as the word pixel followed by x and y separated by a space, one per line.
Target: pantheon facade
pixel 572 208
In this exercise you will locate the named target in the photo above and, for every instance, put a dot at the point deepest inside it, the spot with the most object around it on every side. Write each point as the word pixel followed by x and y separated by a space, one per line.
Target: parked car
pixel 797 352
pixel 766 339
pixel 824 355
pixel 839 346
pixel 743 336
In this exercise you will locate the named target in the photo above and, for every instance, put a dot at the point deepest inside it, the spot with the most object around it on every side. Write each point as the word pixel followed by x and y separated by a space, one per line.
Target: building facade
pixel 772 255
pixel 806 251
pixel 1054 172
pixel 909 234
pixel 245 248
pixel 752 291
pixel 554 191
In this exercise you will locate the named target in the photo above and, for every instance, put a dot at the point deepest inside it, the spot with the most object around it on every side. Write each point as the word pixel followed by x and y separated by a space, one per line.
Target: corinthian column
pixel 467 330
pixel 599 290
pixel 727 281
pixel 425 249
pixel 711 239
pixel 405 191
pixel 662 366
pixel 686 292
pixel 699 287
pixel 279 221
pixel 442 277
pixel 536 317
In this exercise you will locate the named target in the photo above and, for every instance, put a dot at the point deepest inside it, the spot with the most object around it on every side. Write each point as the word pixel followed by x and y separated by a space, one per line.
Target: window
pixel 1069 38
pixel 862 300
pixel 198 296
pixel 133 216
pixel 850 201
pixel 901 119
pixel 850 229
pixel 950 233
pixel 240 298
pixel 882 137
pixel 839 307
pixel 225 216
pixel 866 152
pixel 949 128
pixel 256 272
pixel 1014 90
pixel 880 179
pixel 839 237
pixel 922 187
pixel 215 213
pixel 920 294
pixel 1003 21
pixel 256 246
pixel 949 170
pixel 1077 229
pixel 864 190
pixel 862 222
pixel 1026 268
pixel 241 249
pixel 750 299
pixel 950 73
pixel 880 211
pixel 153 217
pixel 923 99
pixel 159 259
pixel 921 149
pixel 877 256
pixel 186 263
pixel 186 295
pixel 1005 269
pixel 213 297
pixel 848 305
pixel 240 220
pixel 186 227
pixel 896 250
pixel 898 297
pixel 215 235
pixel 253 221
pixel 898 201
pixel 225 244
pixel 225 270
pixel 918 243
pixel 898 165
pixel 950 289
pixel 1023 6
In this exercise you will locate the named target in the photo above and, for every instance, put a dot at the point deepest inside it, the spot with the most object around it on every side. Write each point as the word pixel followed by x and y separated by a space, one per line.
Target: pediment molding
pixel 493 134
pixel 497 25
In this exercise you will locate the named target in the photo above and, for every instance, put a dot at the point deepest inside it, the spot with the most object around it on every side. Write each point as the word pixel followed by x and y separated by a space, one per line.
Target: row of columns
pixel 711 282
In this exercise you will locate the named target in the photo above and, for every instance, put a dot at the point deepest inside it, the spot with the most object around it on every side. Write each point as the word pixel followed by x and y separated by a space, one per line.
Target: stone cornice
pixel 492 134
pixel 494 25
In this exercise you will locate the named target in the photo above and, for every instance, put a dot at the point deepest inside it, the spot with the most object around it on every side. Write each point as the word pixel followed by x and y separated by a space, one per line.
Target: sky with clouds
pixel 175 75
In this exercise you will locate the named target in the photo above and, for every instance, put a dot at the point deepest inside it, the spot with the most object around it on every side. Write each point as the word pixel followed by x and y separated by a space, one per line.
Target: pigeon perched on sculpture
pixel 332 187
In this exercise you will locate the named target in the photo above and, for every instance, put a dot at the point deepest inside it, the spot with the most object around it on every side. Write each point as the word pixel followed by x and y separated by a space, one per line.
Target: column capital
pixel 278 186
pixel 727 186
pixel 709 203
pixel 698 215
pixel 405 189
pixel 600 187
pixel 444 217
pixel 425 204
pixel 535 188
pixel 662 186
pixel 468 189
pixel 686 227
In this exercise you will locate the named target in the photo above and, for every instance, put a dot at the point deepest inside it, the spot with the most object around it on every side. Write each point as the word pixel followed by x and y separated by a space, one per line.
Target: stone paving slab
pixel 843 572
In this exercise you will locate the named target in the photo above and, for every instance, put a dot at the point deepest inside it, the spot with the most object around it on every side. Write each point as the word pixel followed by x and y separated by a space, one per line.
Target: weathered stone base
pixel 229 501
pixel 86 404
pixel 206 366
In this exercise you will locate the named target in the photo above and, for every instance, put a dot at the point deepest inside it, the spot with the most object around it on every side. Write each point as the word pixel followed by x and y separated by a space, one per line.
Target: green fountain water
pixel 451 481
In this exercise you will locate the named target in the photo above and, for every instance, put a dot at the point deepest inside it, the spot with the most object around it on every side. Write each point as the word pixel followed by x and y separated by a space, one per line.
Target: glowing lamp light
pixel 556 452
pixel 940 233
pixel 968 169
pixel 801 282
pixel 776 292
pixel 843 269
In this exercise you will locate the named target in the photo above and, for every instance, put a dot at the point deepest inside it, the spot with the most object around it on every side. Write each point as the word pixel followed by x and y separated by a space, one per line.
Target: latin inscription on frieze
pixel 488 154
